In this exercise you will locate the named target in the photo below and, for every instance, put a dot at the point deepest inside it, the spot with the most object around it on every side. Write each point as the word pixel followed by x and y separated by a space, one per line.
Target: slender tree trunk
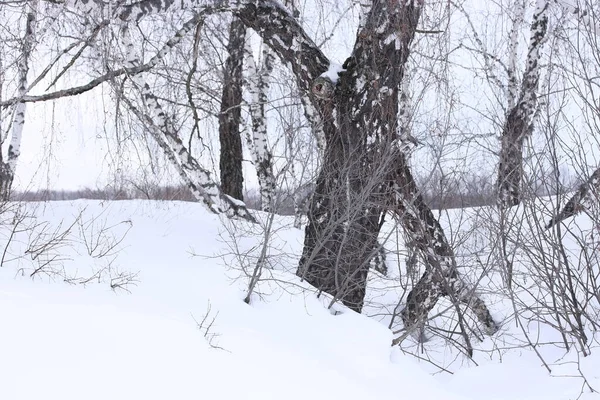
pixel 258 86
pixel 7 170
pixel 441 277
pixel 519 120
pixel 232 177
pixel 585 198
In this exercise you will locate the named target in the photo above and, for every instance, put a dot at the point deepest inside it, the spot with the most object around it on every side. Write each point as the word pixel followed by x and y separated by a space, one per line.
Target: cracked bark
pixel 351 188
pixel 365 173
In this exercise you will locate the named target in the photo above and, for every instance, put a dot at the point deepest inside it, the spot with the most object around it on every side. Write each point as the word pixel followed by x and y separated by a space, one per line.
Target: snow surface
pixel 61 341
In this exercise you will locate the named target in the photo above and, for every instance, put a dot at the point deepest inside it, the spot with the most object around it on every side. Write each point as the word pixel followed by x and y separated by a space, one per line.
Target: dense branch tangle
pixel 365 173
pixel 197 178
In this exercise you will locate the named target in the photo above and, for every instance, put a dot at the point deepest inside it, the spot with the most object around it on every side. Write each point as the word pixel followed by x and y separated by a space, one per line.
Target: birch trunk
pixel 258 86
pixel 519 120
pixel 585 198
pixel 8 169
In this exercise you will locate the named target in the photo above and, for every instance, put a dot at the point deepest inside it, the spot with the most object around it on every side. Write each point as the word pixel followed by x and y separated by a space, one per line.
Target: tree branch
pixel 74 91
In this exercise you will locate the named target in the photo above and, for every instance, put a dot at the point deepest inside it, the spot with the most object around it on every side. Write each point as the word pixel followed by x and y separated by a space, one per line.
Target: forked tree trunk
pixel 232 177
pixel 351 191
pixel 365 172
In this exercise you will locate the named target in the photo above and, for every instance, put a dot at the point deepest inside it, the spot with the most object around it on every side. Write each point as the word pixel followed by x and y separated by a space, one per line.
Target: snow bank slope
pixel 64 342
pixel 60 341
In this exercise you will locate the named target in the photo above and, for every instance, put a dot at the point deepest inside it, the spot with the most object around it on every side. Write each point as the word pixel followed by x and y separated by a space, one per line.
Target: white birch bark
pixel 14 149
pixel 585 198
pixel 407 142
pixel 258 85
pixel 513 48
pixel 519 120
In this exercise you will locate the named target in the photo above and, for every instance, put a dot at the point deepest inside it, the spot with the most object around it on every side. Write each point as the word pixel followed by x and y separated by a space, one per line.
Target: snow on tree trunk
pixel 441 277
pixel 230 162
pixel 518 124
pixel 8 169
pixel 364 172
pixel 198 179
pixel 351 192
pixel 258 85
pixel 585 198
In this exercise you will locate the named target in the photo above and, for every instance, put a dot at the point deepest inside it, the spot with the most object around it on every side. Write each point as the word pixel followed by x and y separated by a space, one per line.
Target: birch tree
pixel 8 168
pixel 258 85
pixel 519 119
pixel 354 112
pixel 197 178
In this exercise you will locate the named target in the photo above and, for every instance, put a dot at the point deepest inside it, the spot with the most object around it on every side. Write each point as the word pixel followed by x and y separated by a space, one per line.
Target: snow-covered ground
pixel 181 330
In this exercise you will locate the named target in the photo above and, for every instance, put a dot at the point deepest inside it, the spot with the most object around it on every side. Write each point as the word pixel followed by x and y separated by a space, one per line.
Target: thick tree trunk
pixel 366 173
pixel 344 217
pixel 341 235
pixel 232 177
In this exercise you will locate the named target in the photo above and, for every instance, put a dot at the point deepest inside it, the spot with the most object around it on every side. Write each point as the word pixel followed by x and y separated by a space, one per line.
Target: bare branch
pixel 131 71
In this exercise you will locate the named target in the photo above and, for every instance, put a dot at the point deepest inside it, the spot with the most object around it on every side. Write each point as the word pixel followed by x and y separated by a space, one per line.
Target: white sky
pixel 65 142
